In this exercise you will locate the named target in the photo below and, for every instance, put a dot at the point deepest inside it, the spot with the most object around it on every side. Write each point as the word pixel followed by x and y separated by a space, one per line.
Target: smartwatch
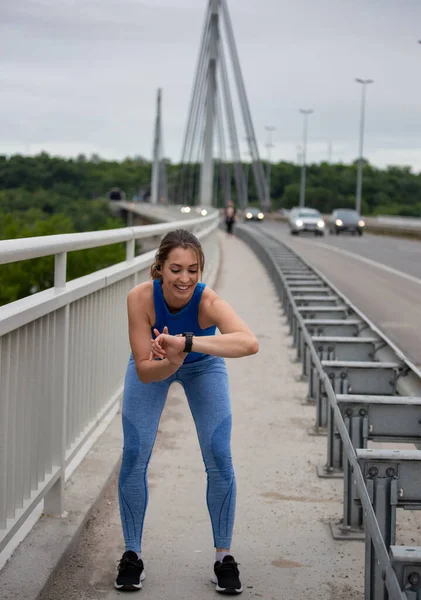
pixel 189 341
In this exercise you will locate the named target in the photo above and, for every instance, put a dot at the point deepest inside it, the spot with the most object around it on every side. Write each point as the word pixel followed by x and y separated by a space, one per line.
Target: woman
pixel 181 315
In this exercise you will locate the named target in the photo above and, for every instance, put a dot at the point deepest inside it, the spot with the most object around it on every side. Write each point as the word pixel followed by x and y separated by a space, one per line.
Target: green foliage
pixel 48 196
pixel 44 195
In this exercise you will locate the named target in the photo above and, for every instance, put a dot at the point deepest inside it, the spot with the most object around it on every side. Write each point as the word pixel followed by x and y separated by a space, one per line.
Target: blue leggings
pixel 205 383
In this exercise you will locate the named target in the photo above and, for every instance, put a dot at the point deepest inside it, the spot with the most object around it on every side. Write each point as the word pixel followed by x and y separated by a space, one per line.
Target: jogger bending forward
pixel 172 324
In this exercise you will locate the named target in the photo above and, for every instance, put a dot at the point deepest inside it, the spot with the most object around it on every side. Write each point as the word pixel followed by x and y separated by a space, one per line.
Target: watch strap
pixel 189 341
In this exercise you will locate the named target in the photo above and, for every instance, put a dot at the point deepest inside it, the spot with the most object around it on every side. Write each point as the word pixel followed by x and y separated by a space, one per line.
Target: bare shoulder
pixel 141 292
pixel 212 303
pixel 140 299
pixel 219 312
pixel 209 296
pixel 206 318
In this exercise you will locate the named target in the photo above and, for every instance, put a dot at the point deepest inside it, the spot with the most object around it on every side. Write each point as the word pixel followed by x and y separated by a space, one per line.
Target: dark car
pixel 253 214
pixel 346 219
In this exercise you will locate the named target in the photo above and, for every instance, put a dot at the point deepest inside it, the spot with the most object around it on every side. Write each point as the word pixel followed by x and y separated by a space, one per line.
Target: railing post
pixel 54 499
pixel 5 375
pixel 60 267
pixel 130 249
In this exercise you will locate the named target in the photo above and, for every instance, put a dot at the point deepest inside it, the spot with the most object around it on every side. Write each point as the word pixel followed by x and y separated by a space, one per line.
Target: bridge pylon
pixel 211 115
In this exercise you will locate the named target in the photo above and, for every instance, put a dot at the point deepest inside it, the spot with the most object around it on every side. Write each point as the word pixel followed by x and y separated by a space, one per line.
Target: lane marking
pixel 363 259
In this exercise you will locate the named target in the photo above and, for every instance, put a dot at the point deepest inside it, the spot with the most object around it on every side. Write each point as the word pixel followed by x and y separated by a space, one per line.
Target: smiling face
pixel 180 274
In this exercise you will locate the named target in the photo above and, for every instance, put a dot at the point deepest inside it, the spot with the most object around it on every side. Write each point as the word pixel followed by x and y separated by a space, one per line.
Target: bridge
pixel 326 415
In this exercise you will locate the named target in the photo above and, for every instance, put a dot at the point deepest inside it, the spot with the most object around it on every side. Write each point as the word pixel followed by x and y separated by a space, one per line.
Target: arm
pixel 140 342
pixel 236 340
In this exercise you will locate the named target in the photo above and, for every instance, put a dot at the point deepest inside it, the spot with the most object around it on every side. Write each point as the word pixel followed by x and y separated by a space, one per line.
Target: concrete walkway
pixel 282 537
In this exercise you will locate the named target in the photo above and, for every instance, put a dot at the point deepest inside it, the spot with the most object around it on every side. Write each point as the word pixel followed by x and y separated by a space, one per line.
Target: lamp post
pixel 248 166
pixel 305 113
pixel 364 83
pixel 269 145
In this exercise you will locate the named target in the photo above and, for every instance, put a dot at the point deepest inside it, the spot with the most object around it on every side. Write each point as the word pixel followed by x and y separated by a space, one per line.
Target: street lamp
pixel 249 164
pixel 269 145
pixel 364 83
pixel 305 113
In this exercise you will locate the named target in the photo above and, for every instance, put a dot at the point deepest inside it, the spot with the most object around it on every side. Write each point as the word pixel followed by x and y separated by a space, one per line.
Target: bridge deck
pixel 282 538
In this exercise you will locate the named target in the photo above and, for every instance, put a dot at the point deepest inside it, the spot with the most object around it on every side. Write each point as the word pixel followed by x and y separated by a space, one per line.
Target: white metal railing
pixel 63 354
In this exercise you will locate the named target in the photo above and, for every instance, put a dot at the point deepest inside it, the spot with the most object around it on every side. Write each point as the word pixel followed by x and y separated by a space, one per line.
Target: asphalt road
pixel 380 275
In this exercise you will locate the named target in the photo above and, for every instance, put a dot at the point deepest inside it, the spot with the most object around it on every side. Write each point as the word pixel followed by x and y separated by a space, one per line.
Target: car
pixel 202 210
pixel 253 214
pixel 306 219
pixel 346 219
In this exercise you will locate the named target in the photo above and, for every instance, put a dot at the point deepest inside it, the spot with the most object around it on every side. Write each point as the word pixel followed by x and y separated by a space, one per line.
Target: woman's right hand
pixel 173 355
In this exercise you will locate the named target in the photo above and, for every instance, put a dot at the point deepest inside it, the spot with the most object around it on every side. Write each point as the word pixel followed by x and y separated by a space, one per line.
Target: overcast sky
pixel 80 76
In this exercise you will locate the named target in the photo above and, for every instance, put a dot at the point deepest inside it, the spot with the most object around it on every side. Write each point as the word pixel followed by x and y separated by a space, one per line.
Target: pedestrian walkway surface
pixel 282 536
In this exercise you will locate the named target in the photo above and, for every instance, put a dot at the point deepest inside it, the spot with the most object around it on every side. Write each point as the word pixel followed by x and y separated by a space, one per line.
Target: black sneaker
pixel 130 572
pixel 227 576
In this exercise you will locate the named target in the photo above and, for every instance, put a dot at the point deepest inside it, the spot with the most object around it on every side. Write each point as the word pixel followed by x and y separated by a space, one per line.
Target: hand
pixel 168 346
pixel 157 351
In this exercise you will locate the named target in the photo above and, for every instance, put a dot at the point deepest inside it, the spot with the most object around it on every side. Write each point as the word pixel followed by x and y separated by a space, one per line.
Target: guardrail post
pixel 293 329
pixel 333 467
pixel 299 342
pixel 382 487
pixel 351 527
pixel 321 401
pixel 313 380
pixel 304 354
pixel 406 562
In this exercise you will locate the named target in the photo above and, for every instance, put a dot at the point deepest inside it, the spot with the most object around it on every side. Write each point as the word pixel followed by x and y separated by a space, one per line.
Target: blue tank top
pixel 187 319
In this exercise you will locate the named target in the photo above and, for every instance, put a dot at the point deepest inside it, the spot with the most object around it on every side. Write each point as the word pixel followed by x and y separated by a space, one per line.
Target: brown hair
pixel 179 238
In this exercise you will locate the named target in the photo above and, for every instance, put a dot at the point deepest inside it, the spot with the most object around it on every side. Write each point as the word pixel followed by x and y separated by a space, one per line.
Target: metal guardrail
pixel 63 354
pixel 364 388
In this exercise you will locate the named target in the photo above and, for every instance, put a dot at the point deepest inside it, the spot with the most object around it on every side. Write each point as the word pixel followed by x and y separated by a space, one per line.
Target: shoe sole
pixel 227 591
pixel 130 587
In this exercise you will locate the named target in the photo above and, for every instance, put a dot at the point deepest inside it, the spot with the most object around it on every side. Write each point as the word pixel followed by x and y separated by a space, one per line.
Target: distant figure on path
pixel 230 216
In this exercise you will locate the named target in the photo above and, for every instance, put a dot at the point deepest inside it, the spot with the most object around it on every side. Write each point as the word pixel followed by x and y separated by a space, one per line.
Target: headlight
pixel 338 222
pixel 249 215
pixel 361 223
pixel 299 223
pixel 260 216
pixel 203 212
pixel 185 209
pixel 320 223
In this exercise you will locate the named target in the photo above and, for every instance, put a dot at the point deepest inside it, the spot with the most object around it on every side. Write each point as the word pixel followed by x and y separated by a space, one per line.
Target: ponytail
pixel 156 271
